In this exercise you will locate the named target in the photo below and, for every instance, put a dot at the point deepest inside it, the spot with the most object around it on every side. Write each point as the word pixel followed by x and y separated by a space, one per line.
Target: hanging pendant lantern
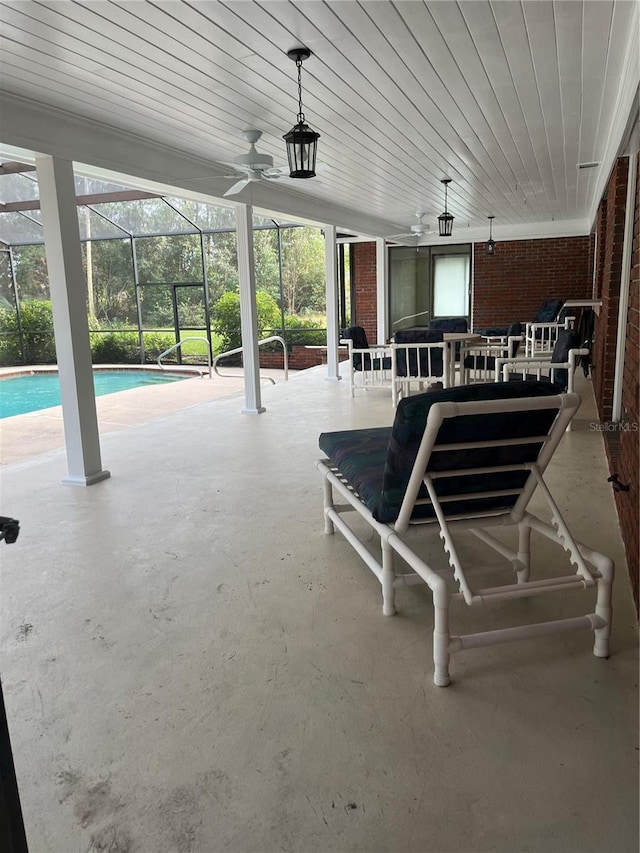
pixel 445 220
pixel 491 243
pixel 301 141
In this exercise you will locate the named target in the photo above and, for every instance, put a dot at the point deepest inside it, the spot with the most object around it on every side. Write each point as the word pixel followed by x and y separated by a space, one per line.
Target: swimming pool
pixel 34 391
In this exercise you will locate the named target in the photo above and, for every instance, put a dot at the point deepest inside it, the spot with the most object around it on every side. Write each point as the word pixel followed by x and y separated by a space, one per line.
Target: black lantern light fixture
pixel 445 220
pixel 302 142
pixel 491 243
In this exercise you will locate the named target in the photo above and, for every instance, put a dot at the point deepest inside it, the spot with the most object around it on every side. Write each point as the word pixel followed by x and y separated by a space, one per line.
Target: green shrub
pixel 156 343
pixel 115 347
pixel 299 332
pixel 37 330
pixel 225 317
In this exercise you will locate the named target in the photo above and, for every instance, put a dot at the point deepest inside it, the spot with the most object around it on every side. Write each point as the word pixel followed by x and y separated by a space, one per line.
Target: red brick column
pixel 365 307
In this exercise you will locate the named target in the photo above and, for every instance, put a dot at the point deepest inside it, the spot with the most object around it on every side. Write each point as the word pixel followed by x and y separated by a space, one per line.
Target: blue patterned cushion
pixel 419 336
pixel 359 455
pixel 378 462
pixel 548 311
pixel 450 324
pixel 567 339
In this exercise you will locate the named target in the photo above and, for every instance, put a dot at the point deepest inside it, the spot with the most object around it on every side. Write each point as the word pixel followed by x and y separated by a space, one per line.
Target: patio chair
pixel 369 367
pixel 558 368
pixel 547 313
pixel 420 360
pixel 465 459
pixel 540 338
pixel 479 360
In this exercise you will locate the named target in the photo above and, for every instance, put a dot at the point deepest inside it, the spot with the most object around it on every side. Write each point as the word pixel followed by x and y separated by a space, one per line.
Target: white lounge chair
pixel 464 459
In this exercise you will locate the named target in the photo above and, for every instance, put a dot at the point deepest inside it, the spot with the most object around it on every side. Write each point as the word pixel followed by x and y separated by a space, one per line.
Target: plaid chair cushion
pixel 377 463
pixel 450 324
pixel 419 336
pixel 359 455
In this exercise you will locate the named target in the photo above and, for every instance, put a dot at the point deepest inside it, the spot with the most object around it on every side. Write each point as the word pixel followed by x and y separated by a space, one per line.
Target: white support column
pixel 382 290
pixel 248 310
pixel 331 277
pixel 68 289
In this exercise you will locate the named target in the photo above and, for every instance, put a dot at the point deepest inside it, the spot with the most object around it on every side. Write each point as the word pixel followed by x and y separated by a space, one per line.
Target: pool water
pixel 32 392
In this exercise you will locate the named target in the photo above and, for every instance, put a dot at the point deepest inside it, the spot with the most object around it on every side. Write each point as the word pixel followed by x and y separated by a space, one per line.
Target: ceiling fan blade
pixel 238 186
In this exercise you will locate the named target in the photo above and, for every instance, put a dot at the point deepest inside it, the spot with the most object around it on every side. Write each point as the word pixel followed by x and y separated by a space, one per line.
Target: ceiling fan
pixel 418 230
pixel 256 166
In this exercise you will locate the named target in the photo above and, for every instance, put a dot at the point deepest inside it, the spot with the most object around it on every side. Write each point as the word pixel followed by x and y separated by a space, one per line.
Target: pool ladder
pixel 263 341
pixel 184 341
pixel 213 365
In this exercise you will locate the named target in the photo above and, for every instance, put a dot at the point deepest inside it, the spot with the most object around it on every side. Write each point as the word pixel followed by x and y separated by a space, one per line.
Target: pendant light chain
pixel 300 113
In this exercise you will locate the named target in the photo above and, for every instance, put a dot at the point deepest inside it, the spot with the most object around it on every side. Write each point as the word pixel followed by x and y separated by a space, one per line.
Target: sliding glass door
pixel 427 282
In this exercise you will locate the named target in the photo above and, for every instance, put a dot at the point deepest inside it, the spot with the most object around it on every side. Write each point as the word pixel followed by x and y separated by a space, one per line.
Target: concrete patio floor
pixel 190 665
pixel 25 436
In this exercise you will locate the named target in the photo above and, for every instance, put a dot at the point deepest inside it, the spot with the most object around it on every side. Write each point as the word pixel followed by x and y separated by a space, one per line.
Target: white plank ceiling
pixel 503 97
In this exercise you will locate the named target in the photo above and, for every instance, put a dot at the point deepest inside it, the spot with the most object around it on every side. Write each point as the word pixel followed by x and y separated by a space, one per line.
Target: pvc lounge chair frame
pixel 541 338
pixel 370 367
pixel 463 459
pixel 478 361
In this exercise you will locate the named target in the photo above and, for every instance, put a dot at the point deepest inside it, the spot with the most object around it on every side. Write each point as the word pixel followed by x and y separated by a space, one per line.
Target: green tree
pixel 265 251
pixel 303 270
pixel 114 301
pixel 30 268
pixel 221 259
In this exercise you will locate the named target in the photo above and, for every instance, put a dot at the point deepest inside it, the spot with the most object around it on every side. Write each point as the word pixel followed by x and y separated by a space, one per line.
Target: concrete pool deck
pixel 25 436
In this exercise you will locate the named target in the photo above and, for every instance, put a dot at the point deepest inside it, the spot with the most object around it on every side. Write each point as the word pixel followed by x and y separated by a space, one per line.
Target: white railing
pixel 183 341
pixel 240 349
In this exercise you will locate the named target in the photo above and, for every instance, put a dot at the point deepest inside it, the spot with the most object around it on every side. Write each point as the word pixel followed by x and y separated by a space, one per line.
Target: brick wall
pixel 300 358
pixel 611 238
pixel 621 444
pixel 511 284
pixel 364 311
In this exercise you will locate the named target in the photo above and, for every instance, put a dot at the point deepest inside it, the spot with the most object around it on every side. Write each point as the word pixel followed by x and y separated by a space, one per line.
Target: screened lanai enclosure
pixel 160 271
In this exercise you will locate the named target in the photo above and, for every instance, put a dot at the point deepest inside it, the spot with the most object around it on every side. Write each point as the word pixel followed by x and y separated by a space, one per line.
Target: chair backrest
pixel 514 330
pixel 548 311
pixel 358 336
pixel 490 492
pixel 430 363
pixel 567 340
pixel 584 331
pixel 450 324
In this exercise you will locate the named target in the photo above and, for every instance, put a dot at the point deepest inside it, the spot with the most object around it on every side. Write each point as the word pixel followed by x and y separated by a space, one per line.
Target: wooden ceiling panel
pixel 503 97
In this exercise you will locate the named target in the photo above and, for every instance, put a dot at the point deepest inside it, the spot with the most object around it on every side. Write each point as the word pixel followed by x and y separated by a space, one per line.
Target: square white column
pixel 331 279
pixel 248 310
pixel 68 288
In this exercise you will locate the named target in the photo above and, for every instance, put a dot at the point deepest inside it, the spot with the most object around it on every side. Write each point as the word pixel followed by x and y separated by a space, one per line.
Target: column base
pixel 89 480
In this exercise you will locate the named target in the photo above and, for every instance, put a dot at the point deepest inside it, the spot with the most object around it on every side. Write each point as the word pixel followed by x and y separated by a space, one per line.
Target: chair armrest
pixel 504 365
pixel 495 340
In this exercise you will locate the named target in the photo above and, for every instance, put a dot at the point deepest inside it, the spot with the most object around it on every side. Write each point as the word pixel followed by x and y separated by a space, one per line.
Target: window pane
pixel 450 285
pixel 409 287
